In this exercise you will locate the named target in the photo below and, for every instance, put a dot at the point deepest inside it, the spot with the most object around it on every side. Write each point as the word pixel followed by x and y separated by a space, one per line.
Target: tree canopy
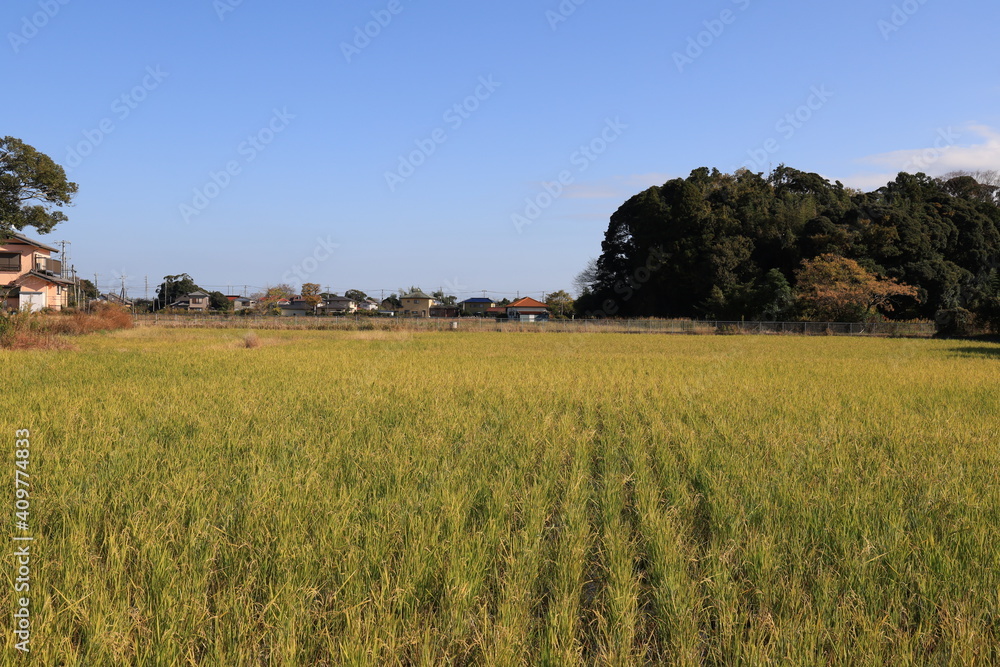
pixel 727 246
pixel 32 187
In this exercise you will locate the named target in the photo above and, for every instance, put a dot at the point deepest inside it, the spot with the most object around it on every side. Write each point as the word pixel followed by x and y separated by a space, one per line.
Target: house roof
pixel 478 299
pixel 52 279
pixel 196 293
pixel 417 295
pixel 526 302
pixel 21 238
pixel 55 280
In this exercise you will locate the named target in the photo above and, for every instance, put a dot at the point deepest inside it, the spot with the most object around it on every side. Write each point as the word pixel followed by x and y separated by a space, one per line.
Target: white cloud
pixel 947 152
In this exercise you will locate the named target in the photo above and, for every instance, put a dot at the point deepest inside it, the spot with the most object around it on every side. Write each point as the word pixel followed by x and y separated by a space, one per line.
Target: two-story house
pixel 30 279
pixel 197 301
pixel 476 306
pixel 416 304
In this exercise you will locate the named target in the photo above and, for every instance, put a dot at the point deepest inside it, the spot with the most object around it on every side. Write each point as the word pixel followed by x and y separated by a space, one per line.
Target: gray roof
pixel 417 295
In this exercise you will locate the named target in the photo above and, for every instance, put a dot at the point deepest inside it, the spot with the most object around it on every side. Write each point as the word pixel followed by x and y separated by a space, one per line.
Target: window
pixel 10 261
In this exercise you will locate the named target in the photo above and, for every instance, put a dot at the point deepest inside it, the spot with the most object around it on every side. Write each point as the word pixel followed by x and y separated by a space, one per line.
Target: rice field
pixel 384 498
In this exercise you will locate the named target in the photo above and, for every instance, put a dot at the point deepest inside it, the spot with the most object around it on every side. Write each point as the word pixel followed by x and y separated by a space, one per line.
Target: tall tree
pixel 446 299
pixel 32 187
pixel 172 288
pixel 560 303
pixel 356 295
pixel 267 300
pixel 218 301
pixel 310 294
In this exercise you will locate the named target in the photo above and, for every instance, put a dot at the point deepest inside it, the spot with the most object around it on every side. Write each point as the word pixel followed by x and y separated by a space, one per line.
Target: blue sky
pixel 465 145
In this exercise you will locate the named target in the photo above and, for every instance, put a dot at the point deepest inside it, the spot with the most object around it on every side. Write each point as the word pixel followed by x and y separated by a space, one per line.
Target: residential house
pixel 241 302
pixel 527 309
pixel 416 304
pixel 476 306
pixel 30 279
pixel 196 301
pixel 338 304
pixel 296 306
pixel 368 305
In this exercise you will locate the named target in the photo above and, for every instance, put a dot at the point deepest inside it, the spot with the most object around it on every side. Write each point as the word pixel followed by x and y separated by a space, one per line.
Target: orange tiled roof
pixel 526 302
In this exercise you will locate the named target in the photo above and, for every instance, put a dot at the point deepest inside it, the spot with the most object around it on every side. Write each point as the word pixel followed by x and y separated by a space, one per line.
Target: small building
pixel 368 305
pixel 527 309
pixel 30 279
pixel 416 304
pixel 443 310
pixel 496 311
pixel 476 306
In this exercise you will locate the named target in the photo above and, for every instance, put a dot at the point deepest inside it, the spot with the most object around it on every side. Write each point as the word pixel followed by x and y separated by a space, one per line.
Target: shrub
pixel 38 330
pixel 957 322
pixel 251 340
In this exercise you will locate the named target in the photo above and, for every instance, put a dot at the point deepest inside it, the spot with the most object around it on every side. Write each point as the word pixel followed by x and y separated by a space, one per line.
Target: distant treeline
pixel 731 246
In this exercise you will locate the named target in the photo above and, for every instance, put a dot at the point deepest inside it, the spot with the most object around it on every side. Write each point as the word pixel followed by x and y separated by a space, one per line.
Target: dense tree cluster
pixel 731 246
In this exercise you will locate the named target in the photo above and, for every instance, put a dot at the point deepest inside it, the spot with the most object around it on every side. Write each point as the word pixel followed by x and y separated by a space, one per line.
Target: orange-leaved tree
pixel 831 288
pixel 310 294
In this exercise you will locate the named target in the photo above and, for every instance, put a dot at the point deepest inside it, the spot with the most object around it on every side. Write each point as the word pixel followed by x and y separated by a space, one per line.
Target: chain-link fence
pixel 664 326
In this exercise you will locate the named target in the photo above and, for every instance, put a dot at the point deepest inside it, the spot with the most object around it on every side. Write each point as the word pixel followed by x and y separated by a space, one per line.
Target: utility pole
pixel 145 294
pixel 63 258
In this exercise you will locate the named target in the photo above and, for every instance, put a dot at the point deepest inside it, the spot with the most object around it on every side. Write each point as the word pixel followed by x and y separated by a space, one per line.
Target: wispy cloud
pixel 946 152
